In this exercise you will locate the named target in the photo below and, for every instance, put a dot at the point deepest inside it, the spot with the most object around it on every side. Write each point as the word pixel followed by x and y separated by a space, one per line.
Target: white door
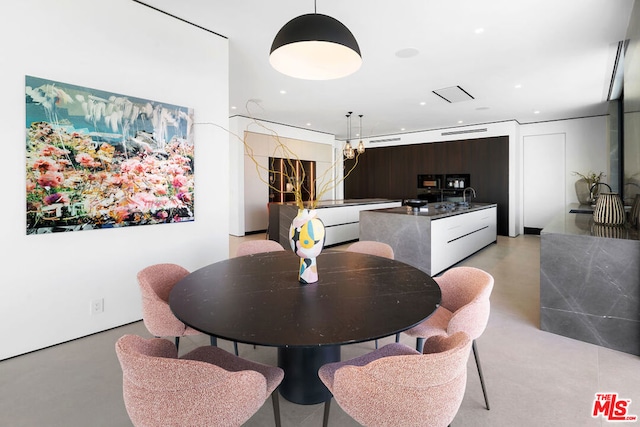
pixel 544 178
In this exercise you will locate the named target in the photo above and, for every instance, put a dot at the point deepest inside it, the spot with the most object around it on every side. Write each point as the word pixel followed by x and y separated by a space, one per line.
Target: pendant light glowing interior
pixel 315 47
pixel 348 150
pixel 361 144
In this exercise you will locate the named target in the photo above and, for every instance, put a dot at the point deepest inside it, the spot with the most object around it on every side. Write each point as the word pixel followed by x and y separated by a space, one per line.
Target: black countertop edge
pixel 434 214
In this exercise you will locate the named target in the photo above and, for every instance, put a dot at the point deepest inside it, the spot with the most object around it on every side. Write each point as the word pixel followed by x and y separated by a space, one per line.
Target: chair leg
pixel 376 344
pixel 327 408
pixel 235 347
pixel 214 340
pixel 275 399
pixel 398 337
pixel 477 357
pixel 419 344
pixel 177 340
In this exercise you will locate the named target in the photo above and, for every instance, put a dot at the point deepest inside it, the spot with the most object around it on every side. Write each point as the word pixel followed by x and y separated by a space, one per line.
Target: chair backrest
pixel 160 389
pixel 466 292
pixel 156 282
pixel 250 247
pixel 411 390
pixel 372 247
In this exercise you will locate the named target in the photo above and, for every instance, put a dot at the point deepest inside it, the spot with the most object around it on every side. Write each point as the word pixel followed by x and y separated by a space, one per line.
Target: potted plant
pixel 587 196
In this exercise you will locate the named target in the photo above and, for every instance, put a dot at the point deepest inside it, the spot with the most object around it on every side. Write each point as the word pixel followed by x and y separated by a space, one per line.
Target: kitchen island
pixel 590 281
pixel 340 218
pixel 434 238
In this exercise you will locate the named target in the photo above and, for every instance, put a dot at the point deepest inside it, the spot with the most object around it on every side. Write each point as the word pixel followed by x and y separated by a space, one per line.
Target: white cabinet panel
pixel 341 233
pixel 456 237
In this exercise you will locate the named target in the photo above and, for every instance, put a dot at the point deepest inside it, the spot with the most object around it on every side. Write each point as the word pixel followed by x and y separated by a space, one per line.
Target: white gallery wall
pixel 48 281
pixel 586 149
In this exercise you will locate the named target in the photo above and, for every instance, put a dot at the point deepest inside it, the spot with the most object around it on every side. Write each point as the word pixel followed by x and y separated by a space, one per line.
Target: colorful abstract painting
pixel 97 159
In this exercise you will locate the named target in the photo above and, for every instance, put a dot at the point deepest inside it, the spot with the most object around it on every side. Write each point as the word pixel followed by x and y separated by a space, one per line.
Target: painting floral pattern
pixel 99 160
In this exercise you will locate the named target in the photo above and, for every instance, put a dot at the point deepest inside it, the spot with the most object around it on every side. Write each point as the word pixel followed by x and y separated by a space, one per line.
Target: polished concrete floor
pixel 534 378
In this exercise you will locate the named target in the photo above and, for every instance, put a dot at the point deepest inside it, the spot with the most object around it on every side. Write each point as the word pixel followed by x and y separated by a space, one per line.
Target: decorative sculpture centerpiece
pixel 307 240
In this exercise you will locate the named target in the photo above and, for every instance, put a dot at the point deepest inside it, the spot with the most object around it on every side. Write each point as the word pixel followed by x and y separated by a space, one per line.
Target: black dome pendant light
pixel 315 47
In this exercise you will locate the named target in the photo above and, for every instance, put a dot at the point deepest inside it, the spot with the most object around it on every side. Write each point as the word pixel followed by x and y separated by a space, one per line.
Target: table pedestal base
pixel 301 383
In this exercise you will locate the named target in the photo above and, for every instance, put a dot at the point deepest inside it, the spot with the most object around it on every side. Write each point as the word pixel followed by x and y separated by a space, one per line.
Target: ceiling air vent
pixel 377 141
pixel 453 94
pixel 458 132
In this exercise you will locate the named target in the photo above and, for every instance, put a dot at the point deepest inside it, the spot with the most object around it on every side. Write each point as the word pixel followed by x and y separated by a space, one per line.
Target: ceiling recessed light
pixel 283 92
pixel 479 30
pixel 401 128
pixel 308 124
pixel 233 107
pixel 407 53
pixel 423 103
pixel 518 86
pixel 460 121
pixel 536 112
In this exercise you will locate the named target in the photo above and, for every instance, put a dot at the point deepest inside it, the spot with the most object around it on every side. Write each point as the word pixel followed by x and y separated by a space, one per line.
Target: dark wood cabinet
pixel 391 172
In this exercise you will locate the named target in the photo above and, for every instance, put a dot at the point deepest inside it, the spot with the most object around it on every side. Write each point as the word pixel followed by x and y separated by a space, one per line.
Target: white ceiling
pixel 561 52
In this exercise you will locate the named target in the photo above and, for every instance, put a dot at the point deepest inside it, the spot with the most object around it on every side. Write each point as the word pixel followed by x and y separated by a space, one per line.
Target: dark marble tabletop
pixel 257 299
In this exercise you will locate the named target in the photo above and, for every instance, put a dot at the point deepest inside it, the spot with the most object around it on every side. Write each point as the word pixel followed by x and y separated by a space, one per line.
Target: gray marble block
pixel 590 288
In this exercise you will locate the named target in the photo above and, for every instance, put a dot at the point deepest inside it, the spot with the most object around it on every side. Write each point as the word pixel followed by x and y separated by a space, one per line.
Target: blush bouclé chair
pixel 399 386
pixel 156 282
pixel 207 386
pixel 464 307
pixel 250 247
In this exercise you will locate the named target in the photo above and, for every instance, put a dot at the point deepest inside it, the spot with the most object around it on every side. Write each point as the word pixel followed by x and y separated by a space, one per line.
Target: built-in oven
pixel 442 187
pixel 430 187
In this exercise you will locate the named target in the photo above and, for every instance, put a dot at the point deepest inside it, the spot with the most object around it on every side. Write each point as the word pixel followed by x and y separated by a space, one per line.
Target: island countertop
pixel 582 224
pixel 433 239
pixel 343 202
pixel 437 210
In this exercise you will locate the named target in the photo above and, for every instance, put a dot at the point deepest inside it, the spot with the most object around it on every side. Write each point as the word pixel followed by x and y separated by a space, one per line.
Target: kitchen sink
pixel 582 211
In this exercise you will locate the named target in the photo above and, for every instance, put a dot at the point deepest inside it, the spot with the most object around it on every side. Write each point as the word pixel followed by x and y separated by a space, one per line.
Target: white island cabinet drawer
pixel 338 215
pixel 455 238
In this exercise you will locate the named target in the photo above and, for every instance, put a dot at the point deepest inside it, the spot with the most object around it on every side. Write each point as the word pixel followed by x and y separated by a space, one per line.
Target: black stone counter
pixel 435 211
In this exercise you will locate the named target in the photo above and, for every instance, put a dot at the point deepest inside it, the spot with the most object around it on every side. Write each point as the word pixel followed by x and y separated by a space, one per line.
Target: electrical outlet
pixel 97 306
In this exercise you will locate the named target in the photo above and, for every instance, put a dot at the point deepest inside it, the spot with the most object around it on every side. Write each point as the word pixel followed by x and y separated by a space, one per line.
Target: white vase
pixel 609 209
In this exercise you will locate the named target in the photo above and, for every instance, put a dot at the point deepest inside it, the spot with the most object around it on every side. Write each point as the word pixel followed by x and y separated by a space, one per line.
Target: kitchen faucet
pixel 464 192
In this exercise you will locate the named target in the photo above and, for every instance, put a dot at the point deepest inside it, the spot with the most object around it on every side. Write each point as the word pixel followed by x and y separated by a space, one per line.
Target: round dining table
pixel 257 299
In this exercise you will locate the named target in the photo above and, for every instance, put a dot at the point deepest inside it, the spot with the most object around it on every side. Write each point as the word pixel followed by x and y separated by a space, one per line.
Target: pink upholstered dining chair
pixel 398 386
pixel 250 247
pixel 156 282
pixel 207 386
pixel 465 306
pixel 372 248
